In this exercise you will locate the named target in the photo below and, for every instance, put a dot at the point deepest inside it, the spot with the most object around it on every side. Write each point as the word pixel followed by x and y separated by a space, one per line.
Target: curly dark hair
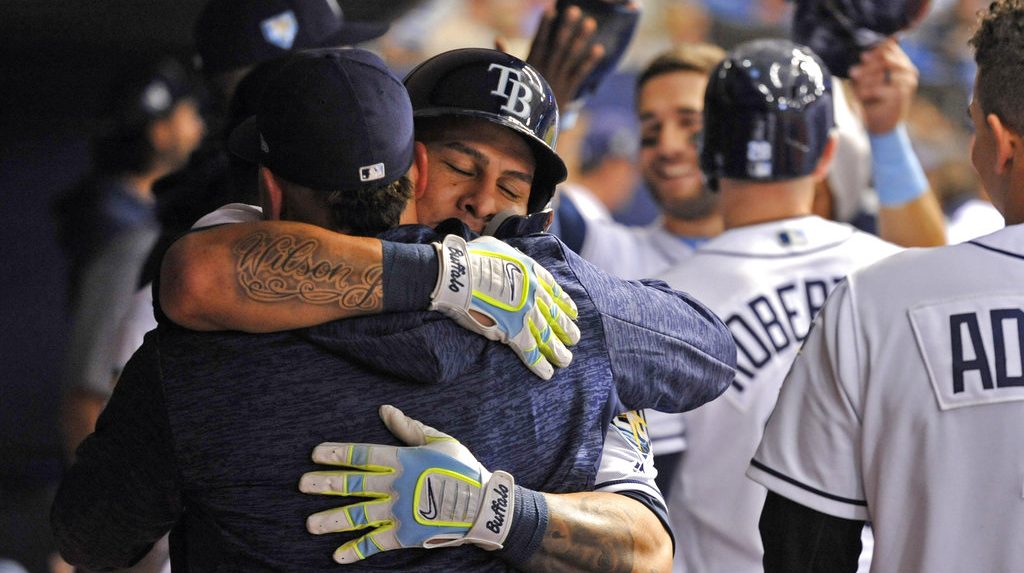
pixel 371 211
pixel 999 51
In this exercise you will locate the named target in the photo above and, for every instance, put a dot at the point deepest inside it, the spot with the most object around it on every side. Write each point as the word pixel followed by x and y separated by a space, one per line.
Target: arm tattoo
pixel 598 537
pixel 278 267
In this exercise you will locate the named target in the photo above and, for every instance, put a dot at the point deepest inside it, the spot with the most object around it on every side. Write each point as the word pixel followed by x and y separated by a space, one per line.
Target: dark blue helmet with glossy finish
pixel 767 113
pixel 500 88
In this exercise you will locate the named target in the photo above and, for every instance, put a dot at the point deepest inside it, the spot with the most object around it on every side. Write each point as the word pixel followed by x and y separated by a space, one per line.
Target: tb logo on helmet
pixel 518 96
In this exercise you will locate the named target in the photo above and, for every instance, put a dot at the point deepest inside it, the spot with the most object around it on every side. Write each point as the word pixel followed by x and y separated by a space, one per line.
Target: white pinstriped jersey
pixel 766 282
pixel 906 407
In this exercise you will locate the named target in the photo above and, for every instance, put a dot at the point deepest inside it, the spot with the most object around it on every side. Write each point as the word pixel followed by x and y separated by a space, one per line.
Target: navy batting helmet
pixel 500 88
pixel 839 30
pixel 767 113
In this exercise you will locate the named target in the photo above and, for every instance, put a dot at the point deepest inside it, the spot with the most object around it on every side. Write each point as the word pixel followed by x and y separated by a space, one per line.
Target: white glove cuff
pixel 494 521
pixel 454 288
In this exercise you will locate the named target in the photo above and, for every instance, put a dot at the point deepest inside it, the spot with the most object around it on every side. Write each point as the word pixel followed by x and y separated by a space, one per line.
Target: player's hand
pixel 885 82
pixel 530 312
pixel 432 494
pixel 564 55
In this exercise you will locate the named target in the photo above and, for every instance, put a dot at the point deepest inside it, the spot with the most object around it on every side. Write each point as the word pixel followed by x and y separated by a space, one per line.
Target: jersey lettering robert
pixel 974 349
pixel 773 321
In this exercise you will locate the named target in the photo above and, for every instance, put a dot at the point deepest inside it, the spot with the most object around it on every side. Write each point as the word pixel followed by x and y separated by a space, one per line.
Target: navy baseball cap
pixel 232 34
pixel 150 95
pixel 331 119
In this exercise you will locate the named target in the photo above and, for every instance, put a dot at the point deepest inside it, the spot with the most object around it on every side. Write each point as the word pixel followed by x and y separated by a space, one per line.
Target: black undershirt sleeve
pixel 798 539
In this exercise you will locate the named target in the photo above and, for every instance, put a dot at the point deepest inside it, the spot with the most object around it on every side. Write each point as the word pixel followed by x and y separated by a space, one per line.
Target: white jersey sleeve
pixel 817 418
pixel 627 457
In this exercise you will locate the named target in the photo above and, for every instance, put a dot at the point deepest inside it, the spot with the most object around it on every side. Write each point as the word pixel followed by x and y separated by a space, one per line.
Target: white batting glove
pixel 433 494
pixel 520 296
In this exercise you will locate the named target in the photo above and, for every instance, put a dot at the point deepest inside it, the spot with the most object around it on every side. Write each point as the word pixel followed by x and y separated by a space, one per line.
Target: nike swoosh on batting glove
pixel 432 494
pixel 531 313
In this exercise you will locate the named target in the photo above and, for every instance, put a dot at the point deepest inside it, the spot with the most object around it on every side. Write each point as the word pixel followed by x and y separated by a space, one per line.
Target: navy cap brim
pixel 244 140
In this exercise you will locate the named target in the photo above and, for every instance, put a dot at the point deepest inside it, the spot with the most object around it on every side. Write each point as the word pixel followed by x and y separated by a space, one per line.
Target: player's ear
pixel 1008 143
pixel 418 172
pixel 270 194
pixel 825 161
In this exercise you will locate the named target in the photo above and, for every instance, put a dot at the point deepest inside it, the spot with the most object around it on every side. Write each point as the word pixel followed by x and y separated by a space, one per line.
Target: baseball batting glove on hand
pixel 432 494
pixel 520 296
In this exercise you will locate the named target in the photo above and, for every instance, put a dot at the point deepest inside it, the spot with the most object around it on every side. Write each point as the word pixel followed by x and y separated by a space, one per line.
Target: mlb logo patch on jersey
pixel 280 30
pixel 973 349
pixel 371 172
pixel 792 238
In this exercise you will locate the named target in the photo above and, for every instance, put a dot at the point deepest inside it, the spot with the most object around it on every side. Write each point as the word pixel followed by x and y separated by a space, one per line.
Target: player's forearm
pixel 601 532
pixel 918 223
pixel 269 276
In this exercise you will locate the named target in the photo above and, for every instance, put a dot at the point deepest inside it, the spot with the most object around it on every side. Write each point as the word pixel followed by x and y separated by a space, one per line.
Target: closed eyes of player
pixel 511 192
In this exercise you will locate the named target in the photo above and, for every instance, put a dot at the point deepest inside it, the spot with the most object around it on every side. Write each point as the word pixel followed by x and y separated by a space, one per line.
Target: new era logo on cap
pixel 371 172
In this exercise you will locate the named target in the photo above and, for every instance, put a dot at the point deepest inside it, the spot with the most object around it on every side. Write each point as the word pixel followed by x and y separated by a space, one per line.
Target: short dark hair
pixel 696 57
pixel 370 211
pixel 999 51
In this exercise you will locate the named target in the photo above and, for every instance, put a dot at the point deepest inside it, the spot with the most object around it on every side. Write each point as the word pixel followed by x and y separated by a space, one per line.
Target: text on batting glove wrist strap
pixel 453 288
pixel 494 520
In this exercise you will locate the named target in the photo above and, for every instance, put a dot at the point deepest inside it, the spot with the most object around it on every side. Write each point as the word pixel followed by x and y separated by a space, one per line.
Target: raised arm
pixel 885 83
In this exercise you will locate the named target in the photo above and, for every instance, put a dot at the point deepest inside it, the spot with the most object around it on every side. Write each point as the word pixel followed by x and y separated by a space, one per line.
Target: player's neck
pixel 745 203
pixel 710 226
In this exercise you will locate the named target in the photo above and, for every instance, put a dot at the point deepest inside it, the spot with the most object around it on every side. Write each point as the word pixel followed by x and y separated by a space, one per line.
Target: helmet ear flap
pixel 500 88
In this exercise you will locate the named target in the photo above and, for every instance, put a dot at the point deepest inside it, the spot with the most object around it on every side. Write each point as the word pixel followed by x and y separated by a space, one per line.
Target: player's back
pixel 942 405
pixel 766 282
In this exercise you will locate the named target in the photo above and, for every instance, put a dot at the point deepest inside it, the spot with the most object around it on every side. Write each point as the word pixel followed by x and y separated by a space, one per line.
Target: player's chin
pixel 676 191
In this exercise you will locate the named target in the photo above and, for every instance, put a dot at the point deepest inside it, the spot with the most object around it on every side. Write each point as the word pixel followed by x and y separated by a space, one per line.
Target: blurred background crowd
pixel 67 68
